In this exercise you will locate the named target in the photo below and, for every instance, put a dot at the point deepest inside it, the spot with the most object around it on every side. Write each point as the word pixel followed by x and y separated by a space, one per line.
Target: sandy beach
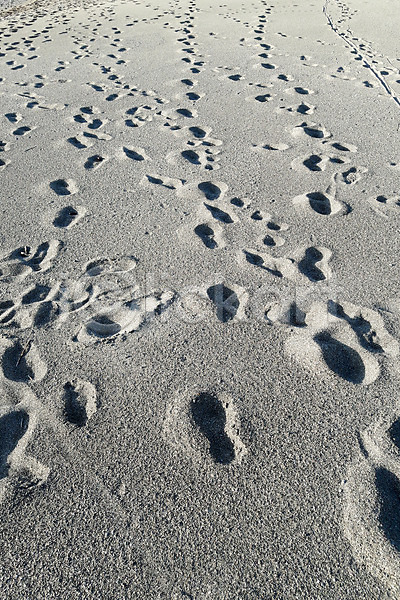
pixel 200 300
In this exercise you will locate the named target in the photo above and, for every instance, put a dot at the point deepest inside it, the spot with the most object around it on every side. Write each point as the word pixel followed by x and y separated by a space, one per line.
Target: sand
pixel 200 302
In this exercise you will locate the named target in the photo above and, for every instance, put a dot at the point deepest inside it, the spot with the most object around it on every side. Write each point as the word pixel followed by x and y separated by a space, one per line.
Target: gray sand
pixel 200 307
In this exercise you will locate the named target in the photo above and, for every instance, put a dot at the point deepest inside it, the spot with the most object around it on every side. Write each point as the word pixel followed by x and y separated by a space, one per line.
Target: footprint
pixel 96 123
pixel 210 190
pixel 305 109
pixel 238 202
pixel 78 142
pixel 193 97
pixel 381 204
pixel 257 215
pixel 371 502
pixel 7 311
pixel 314 265
pixel 322 203
pixel 263 98
pixel 13 426
pixel 311 130
pixel 104 266
pixel 184 112
pixel 353 175
pixel 342 359
pixel 38 293
pixel 69 216
pixel 368 326
pixel 350 341
pixel 342 147
pixel 388 490
pixel 21 361
pixel 94 162
pixel 26 259
pixel 230 303
pixel 137 154
pixel 47 312
pixel 198 132
pixel 4 146
pixel 89 110
pixel 284 77
pixel 18 470
pixel 219 214
pixel 13 117
pixel 216 420
pixel 302 91
pixel 122 317
pixel 316 162
pixel 210 234
pixel 275 147
pixel 191 156
pixel 64 187
pixel 80 402
pixel 272 238
pixel 166 182
pixel 22 131
pixel 277 266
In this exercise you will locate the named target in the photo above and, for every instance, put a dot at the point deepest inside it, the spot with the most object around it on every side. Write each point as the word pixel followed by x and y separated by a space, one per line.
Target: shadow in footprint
pixel 301 91
pixel 297 317
pixel 76 142
pixel 191 156
pixel 65 217
pixel 37 294
pixel 206 234
pixel 388 487
pixel 340 358
pixel 93 161
pixel 197 132
pixel 210 417
pixel 312 163
pixel 303 109
pixel 34 261
pixel 184 112
pixel 308 266
pixel 15 366
pixel 226 301
pixel 21 131
pixel 74 409
pixel 367 336
pixel 7 311
pixel 210 190
pixel 60 187
pixel 133 154
pixel 258 261
pixel 218 214
pixel 394 433
pixel 12 428
pixel 39 256
pixel 320 203
pixel 46 313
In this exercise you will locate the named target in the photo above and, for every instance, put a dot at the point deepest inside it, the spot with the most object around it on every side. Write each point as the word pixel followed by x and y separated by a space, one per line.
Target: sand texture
pixel 200 300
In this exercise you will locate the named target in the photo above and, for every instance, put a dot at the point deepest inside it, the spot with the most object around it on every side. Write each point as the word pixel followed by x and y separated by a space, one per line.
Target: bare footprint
pixel 80 402
pixel 230 302
pixel 210 234
pixel 69 216
pixel 64 187
pixel 322 203
pixel 216 419
pixel 21 361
